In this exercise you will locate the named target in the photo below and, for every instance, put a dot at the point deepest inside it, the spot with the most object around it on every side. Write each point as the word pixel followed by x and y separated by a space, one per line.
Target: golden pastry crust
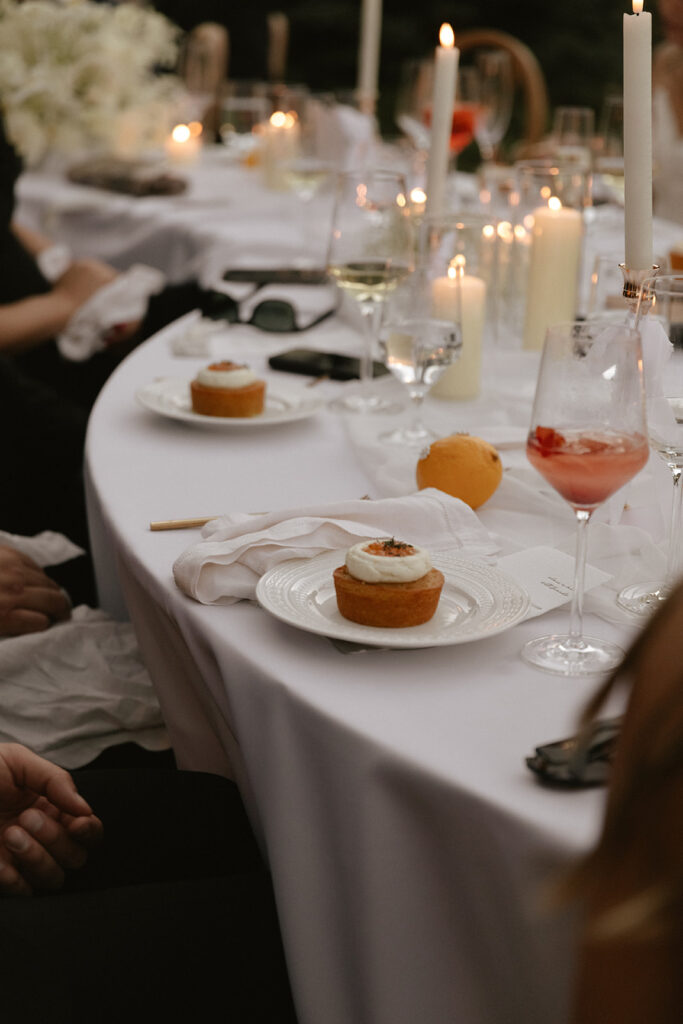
pixel 246 401
pixel 388 605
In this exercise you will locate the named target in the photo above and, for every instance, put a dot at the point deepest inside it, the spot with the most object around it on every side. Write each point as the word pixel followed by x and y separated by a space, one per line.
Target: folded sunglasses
pixel 274 315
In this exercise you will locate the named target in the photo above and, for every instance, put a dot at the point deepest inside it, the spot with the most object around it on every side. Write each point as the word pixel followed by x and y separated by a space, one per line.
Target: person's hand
pixel 82 280
pixel 46 827
pixel 29 600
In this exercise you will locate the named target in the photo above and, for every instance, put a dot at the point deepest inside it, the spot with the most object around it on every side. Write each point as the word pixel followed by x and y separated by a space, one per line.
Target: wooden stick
pixel 181 524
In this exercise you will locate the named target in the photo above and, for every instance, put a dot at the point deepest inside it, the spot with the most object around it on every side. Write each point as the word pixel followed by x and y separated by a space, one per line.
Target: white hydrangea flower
pixel 71 69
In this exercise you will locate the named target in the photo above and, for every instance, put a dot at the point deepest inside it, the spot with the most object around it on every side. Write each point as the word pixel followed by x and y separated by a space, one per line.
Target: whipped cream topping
pixel 392 567
pixel 226 375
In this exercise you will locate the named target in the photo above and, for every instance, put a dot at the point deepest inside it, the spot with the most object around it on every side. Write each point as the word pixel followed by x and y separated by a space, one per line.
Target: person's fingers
pixel 20 621
pixel 51 601
pixel 34 773
pixel 33 862
pixel 35 577
pixel 63 847
pixel 36 608
pixel 11 882
pixel 86 830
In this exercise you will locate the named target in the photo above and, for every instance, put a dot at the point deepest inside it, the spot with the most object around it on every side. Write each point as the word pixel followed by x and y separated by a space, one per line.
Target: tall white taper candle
pixel 446 61
pixel 638 138
pixel 368 54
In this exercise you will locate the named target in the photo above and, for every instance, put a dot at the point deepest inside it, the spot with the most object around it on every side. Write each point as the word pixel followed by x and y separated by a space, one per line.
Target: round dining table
pixel 412 851
pixel 410 846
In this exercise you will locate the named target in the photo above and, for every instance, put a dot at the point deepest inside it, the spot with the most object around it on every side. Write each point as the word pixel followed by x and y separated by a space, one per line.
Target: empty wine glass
pixel 417 347
pixel 660 306
pixel 587 438
pixel 572 135
pixel 413 99
pixel 370 250
pixel 243 110
pixel 491 90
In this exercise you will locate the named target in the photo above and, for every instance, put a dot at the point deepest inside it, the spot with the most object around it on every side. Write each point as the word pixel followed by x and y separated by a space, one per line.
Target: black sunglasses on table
pixel 274 315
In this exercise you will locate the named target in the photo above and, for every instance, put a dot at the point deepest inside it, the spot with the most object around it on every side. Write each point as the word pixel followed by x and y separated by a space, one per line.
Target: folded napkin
pixel 236 550
pixel 123 301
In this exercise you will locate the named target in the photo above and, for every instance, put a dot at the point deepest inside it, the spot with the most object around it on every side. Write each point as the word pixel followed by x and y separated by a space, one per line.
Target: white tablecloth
pixel 408 842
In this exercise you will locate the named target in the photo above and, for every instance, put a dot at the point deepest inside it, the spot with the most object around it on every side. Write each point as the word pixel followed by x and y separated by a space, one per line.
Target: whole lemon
pixel 467 467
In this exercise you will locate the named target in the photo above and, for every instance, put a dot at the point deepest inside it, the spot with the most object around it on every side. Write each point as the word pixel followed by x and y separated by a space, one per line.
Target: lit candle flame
pixel 554 203
pixel 181 133
pixel 278 119
pixel 418 195
pixel 447 36
pixel 456 267
pixel 637 6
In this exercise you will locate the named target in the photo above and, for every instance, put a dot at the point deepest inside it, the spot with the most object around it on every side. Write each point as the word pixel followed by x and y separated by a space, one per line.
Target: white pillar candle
pixel 638 138
pixel 183 145
pixel 281 140
pixel 368 54
pixel 553 270
pixel 446 61
pixel 461 298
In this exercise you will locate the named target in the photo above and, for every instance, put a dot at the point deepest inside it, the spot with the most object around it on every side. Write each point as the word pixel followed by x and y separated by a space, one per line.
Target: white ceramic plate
pixel 476 601
pixel 170 396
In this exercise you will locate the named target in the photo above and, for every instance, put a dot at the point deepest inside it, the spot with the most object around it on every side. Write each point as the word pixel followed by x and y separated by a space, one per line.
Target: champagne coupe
pixel 660 306
pixel 587 438
pixel 417 347
pixel 371 249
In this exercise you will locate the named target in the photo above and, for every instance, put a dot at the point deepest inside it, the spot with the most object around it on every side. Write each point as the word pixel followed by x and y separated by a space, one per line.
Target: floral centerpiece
pixel 77 76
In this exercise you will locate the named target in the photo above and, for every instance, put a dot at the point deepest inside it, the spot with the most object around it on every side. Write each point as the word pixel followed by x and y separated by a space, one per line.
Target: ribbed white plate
pixel 170 396
pixel 476 601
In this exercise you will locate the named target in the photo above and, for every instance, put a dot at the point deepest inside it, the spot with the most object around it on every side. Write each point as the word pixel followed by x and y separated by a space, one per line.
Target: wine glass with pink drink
pixel 588 437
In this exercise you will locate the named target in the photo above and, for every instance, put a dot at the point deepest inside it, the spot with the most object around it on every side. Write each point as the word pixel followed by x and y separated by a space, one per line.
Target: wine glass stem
pixel 672 559
pixel 576 613
pixel 417 398
pixel 372 316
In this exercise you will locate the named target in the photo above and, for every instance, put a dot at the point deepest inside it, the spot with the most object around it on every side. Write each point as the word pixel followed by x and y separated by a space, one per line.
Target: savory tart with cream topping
pixel 227 389
pixel 387 583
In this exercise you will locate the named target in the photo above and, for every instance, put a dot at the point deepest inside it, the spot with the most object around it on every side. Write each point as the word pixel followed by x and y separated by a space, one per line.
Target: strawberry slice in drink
pixel 586 468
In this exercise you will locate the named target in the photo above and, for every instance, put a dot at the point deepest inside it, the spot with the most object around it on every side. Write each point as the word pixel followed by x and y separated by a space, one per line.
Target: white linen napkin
pixel 236 550
pixel 122 301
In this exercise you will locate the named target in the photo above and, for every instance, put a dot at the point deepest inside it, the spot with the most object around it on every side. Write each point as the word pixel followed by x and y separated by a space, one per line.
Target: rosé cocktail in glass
pixel 587 439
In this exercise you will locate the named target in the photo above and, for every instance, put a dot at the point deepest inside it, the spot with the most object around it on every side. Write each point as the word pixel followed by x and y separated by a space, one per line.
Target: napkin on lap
pixel 236 550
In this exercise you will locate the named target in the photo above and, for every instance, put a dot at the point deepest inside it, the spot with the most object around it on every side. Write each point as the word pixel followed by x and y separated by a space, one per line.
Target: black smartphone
pixel 321 364
pixel 278 275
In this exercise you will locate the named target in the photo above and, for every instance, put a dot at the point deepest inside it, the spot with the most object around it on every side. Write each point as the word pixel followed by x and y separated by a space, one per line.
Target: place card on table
pixel 547 575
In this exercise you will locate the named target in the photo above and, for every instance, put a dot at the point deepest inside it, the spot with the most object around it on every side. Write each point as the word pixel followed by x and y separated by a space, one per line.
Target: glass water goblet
pixel 661 305
pixel 417 347
pixel 587 439
pixel 371 249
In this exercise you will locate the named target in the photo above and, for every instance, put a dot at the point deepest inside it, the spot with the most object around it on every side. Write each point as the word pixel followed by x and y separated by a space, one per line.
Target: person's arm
pixel 36 319
pixel 46 827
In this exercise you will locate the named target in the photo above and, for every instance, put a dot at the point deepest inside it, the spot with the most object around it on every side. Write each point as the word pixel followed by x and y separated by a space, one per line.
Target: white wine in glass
pixel 370 251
